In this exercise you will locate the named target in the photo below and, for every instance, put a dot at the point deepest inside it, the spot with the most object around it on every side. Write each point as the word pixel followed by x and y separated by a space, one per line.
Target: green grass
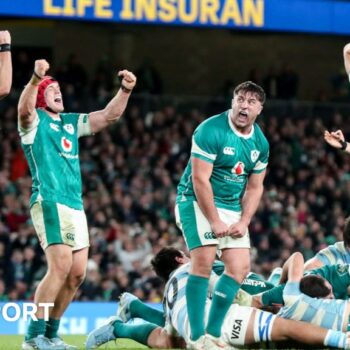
pixel 13 342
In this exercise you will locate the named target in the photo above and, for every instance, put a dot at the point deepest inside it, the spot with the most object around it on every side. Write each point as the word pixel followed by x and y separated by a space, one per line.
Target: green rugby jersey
pixel 337 275
pixel 52 149
pixel 234 157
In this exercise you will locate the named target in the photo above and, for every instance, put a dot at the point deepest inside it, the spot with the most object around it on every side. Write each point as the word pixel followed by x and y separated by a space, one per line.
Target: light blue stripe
pixel 309 314
pixel 181 321
pixel 328 321
pixel 323 259
pixel 335 252
pixel 289 312
pixel 292 288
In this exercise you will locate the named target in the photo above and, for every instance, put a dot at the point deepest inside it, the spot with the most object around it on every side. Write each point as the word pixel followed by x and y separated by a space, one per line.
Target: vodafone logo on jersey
pixel 66 144
pixel 238 169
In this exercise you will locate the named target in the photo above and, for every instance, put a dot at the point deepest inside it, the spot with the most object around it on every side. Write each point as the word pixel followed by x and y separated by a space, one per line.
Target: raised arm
pixel 293 268
pixel 115 108
pixel 346 53
pixel 336 139
pixel 27 100
pixel 5 63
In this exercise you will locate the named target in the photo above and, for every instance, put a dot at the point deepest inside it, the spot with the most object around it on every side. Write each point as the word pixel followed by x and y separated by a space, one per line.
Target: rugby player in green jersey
pixel 218 194
pixel 49 138
pixel 5 63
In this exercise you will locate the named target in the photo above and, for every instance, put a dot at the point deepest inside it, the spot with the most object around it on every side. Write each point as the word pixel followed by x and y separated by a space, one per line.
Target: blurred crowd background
pixel 131 170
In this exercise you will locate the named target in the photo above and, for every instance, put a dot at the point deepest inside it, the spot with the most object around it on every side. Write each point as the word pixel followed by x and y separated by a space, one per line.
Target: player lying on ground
pixel 311 298
pixel 337 275
pixel 242 325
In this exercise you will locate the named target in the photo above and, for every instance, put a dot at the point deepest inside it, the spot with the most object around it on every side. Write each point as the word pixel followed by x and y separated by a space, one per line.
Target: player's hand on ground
pixel 129 79
pixel 334 138
pixel 237 230
pixel 5 37
pixel 219 228
pixel 41 67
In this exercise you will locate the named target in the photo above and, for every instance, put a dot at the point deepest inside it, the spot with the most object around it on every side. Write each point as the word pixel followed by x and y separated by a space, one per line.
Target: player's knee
pixel 76 279
pixel 60 269
pixel 201 265
pixel 238 274
pixel 201 269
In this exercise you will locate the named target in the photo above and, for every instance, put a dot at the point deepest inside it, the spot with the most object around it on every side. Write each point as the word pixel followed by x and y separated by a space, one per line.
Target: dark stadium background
pixel 130 171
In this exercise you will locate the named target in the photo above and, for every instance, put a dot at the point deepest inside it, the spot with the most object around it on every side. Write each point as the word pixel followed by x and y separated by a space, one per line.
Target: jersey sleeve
pixel 83 125
pixel 263 159
pixel 204 143
pixel 27 135
pixel 338 276
pixel 34 124
pixel 291 293
pixel 325 256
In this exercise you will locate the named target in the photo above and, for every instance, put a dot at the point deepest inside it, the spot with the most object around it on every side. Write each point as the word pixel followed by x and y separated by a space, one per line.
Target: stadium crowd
pixel 130 173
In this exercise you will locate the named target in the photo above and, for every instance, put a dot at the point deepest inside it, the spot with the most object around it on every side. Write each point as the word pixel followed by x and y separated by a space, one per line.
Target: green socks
pixel 196 296
pixel 139 309
pixel 139 332
pixel 224 292
pixel 35 328
pixel 52 326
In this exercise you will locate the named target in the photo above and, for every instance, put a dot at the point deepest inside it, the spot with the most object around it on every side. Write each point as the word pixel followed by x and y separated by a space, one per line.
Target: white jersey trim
pixel 197 150
pixel 84 129
pixel 28 134
pixel 260 165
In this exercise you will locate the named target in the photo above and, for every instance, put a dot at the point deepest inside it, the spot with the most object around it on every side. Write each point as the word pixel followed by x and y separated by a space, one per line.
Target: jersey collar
pixel 239 134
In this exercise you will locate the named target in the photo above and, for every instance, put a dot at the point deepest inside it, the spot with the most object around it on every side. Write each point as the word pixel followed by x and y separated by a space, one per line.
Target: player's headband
pixel 45 82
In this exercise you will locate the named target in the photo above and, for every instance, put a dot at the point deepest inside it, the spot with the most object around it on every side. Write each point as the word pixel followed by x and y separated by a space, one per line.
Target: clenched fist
pixel 41 67
pixel 129 79
pixel 5 37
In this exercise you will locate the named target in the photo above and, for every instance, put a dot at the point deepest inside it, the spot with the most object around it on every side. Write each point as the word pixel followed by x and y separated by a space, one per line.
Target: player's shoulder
pixel 217 121
pixel 214 128
pixel 340 246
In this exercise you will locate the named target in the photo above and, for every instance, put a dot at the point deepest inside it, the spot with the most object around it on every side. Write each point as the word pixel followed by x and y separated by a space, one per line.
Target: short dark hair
pixel 314 286
pixel 164 262
pixel 249 86
pixel 346 232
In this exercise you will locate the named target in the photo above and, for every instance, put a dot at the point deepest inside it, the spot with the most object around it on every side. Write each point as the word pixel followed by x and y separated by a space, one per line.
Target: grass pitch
pixel 13 342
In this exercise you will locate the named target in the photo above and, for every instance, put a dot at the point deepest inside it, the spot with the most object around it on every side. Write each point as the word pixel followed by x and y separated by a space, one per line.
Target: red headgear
pixel 45 82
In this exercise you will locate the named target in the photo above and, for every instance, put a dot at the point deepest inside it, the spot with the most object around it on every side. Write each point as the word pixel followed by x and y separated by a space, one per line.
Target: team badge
pixel 238 169
pixel 66 144
pixel 69 128
pixel 254 155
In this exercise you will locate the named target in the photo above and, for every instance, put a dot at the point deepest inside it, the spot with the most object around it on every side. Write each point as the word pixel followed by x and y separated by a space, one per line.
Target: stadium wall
pixel 205 58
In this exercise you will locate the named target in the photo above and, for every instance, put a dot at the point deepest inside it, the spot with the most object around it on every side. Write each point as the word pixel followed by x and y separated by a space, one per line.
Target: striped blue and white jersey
pixel 174 302
pixel 334 254
pixel 326 313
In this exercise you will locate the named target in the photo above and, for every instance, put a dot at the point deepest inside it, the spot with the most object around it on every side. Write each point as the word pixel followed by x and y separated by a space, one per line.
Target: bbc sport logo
pixel 13 312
